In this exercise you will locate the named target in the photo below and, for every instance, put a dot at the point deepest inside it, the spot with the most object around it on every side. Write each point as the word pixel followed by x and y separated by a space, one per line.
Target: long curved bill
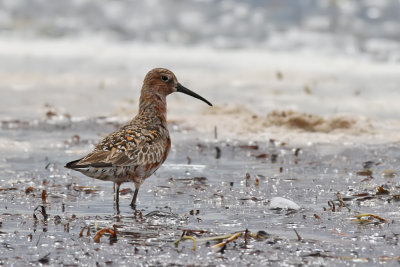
pixel 183 89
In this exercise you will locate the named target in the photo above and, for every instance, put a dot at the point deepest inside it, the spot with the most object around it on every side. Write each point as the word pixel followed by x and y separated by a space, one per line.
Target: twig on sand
pixel 220 238
pixel 232 238
pixel 342 204
pixel 298 236
pixel 185 238
pixel 101 232
pixel 368 220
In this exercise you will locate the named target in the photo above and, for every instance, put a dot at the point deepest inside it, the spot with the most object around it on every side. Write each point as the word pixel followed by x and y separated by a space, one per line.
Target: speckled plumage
pixel 138 149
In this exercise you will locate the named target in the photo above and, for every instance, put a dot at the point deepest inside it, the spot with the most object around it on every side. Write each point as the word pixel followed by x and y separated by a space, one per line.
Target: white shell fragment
pixel 283 203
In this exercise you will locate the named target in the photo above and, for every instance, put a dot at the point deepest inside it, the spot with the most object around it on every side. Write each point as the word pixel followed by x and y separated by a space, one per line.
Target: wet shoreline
pixel 198 189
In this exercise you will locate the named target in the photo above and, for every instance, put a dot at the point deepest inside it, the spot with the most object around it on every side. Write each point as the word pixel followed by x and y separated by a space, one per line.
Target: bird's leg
pixel 116 198
pixel 133 203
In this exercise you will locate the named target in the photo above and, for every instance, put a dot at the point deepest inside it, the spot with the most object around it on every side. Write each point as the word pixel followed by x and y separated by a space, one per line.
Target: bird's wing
pixel 128 147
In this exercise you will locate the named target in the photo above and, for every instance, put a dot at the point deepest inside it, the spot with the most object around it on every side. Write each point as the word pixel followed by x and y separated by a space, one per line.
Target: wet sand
pixel 206 188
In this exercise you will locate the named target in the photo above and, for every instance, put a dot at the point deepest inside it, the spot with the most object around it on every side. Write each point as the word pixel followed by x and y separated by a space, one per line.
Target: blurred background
pixel 351 26
pixel 85 58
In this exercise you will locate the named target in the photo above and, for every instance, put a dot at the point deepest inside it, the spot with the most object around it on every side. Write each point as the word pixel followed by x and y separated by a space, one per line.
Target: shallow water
pixel 196 190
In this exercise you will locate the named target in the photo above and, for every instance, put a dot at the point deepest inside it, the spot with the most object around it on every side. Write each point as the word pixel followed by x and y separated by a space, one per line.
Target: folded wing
pixel 128 148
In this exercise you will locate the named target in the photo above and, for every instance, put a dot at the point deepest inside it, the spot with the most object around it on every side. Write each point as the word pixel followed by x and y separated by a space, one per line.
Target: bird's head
pixel 163 82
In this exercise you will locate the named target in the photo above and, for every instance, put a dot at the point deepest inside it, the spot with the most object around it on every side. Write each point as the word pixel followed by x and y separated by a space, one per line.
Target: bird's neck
pixel 153 105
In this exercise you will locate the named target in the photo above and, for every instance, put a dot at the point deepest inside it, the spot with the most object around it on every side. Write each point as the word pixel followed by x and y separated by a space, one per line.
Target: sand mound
pixel 314 123
pixel 242 118
pixel 239 122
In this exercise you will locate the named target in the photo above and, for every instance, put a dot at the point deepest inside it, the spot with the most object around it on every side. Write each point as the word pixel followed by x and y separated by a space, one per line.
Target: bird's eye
pixel 165 78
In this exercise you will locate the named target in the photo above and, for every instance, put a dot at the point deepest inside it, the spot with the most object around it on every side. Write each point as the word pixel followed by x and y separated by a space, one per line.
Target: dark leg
pixel 116 198
pixel 133 203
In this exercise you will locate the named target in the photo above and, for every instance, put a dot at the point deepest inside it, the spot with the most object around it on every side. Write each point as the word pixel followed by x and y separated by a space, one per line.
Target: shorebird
pixel 139 148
